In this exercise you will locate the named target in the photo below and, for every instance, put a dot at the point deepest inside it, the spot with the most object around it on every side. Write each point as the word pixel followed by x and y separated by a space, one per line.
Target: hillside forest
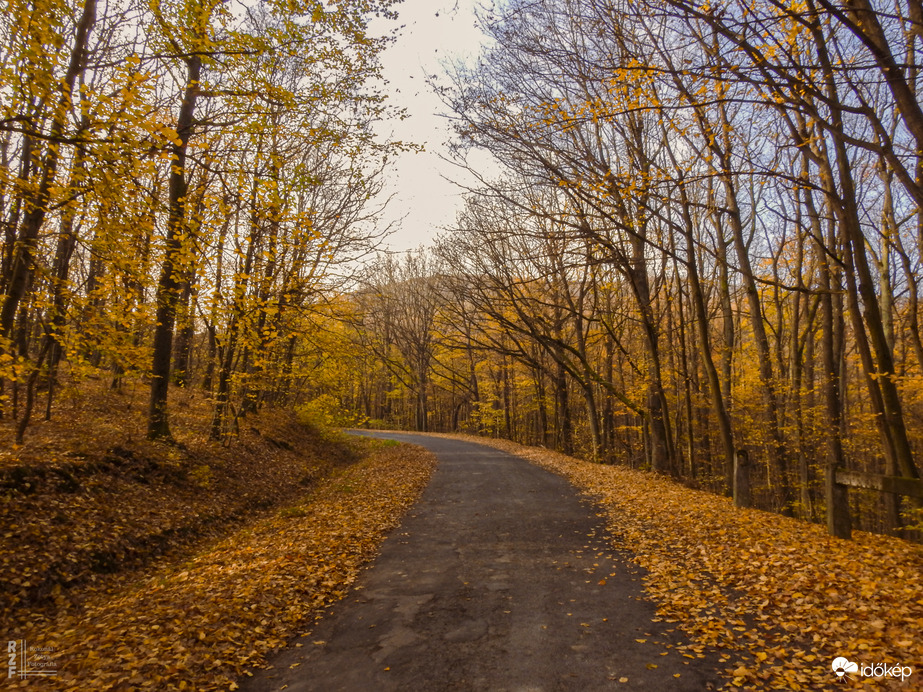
pixel 699 243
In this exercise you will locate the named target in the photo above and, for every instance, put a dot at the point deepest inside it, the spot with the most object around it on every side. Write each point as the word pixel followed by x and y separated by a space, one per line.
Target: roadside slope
pixel 87 504
pixel 199 624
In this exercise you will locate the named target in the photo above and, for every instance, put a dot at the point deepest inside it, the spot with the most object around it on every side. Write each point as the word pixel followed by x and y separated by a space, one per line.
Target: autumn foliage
pixel 699 249
pixel 179 185
pixel 699 246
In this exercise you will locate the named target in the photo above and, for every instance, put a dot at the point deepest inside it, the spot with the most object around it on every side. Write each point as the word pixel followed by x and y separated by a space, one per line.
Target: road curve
pixel 499 579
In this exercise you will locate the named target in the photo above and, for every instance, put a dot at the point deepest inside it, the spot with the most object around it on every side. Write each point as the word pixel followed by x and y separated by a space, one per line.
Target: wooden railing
pixel 838 483
pixel 911 487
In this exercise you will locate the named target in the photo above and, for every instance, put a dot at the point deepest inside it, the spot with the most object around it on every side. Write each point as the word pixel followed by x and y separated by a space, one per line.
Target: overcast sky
pixel 434 31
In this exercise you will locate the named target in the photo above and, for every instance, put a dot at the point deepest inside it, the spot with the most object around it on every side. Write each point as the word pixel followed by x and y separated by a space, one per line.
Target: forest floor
pixel 777 597
pixel 128 564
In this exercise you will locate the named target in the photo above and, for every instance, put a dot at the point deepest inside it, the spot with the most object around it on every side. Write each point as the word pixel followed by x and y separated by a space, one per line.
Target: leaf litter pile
pixel 229 586
pixel 776 597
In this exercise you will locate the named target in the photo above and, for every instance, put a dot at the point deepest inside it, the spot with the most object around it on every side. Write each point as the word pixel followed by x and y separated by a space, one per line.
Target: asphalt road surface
pixel 499 579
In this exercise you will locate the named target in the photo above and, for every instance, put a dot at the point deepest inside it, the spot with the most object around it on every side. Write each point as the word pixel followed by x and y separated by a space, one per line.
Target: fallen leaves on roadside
pixel 781 593
pixel 205 623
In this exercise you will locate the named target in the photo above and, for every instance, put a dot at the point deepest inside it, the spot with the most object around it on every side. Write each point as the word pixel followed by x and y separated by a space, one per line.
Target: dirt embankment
pixel 87 502
pixel 138 565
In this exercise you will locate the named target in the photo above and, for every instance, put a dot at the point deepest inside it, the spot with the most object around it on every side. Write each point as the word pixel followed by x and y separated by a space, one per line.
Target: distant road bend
pixel 499 579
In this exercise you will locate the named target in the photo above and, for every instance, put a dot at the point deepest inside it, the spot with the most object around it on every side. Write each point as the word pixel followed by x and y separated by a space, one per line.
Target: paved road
pixel 499 579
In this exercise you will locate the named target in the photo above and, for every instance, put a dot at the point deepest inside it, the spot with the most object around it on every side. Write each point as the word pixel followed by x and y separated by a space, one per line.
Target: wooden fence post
pixel 837 496
pixel 838 483
pixel 742 496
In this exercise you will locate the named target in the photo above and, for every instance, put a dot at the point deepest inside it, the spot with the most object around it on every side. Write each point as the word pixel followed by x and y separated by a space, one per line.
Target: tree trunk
pixel 565 431
pixel 719 406
pixel 168 286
